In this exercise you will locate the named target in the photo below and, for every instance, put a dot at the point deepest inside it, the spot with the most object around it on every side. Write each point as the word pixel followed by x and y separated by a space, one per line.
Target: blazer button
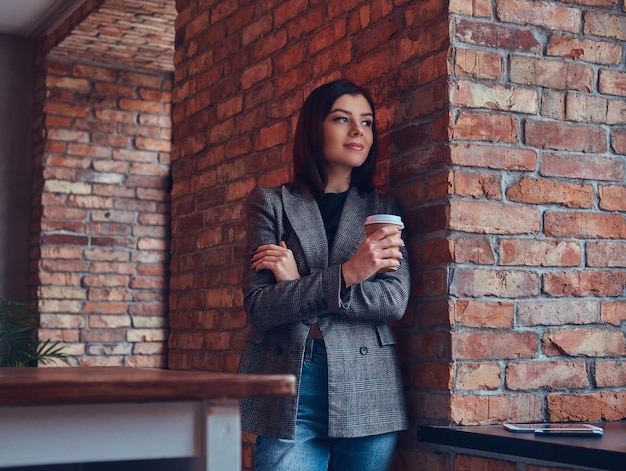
pixel 278 350
pixel 363 350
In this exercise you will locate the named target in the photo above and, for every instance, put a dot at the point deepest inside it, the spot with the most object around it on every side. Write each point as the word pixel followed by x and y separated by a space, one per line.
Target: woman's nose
pixel 357 129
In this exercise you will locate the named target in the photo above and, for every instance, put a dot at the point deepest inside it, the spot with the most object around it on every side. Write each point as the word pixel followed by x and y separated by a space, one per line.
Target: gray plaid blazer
pixel 364 384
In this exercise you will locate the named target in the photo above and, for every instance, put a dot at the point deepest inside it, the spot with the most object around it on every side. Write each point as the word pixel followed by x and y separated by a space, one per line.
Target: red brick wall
pixel 101 230
pixel 241 76
pixel 242 72
pixel 537 230
pixel 503 137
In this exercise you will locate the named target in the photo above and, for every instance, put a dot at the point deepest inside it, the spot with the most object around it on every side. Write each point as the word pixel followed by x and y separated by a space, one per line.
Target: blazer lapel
pixel 306 220
pixel 350 232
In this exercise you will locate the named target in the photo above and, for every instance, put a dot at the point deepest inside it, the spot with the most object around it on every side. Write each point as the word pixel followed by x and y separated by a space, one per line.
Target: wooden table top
pixel 63 385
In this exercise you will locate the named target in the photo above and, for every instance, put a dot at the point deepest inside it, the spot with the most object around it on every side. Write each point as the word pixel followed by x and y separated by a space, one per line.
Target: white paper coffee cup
pixel 376 221
pixel 383 220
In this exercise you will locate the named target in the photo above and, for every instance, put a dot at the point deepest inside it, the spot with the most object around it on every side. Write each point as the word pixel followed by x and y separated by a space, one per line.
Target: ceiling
pixel 136 34
pixel 31 18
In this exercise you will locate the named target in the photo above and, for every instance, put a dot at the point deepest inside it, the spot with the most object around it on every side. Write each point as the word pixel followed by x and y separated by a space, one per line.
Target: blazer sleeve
pixel 267 302
pixel 384 296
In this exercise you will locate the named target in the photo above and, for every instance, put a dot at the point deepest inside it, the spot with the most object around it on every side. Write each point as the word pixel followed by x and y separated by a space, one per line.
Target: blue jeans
pixel 312 449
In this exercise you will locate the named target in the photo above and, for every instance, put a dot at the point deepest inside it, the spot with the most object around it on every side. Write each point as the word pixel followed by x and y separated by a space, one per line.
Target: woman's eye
pixel 367 123
pixel 341 119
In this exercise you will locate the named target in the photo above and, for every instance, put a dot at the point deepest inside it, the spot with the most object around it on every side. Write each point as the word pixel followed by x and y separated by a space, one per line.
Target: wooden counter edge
pixel 107 384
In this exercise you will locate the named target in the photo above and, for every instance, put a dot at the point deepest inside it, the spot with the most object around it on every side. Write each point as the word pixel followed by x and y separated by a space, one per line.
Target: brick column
pixel 536 106
pixel 99 271
pixel 103 230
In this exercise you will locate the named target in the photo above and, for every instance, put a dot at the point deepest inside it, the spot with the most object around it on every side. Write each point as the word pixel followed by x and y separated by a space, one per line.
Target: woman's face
pixel 348 132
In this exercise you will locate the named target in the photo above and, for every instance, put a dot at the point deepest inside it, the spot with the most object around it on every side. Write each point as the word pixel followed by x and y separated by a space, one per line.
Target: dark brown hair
pixel 308 149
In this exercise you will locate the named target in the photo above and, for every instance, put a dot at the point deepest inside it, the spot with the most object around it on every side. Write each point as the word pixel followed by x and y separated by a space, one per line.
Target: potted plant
pixel 19 345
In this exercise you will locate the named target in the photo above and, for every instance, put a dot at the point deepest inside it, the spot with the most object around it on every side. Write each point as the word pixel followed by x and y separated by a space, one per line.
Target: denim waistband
pixel 313 346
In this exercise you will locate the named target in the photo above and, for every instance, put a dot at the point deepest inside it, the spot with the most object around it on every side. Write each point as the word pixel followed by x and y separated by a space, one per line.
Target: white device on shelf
pixel 571 429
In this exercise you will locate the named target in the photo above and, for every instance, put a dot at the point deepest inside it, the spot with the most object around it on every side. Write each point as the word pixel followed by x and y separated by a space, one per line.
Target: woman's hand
pixel 377 251
pixel 276 258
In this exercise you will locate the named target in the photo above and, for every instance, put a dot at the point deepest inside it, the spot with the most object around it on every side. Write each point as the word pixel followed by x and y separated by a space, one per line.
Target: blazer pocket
pixel 385 334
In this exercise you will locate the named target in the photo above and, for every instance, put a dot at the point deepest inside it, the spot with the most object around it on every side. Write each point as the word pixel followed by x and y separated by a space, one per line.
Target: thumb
pixel 282 244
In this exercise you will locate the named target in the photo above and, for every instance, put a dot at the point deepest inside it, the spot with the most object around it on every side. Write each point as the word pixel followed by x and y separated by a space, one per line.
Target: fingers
pixel 376 252
pixel 276 258
pixel 387 232
pixel 267 250
pixel 262 248
pixel 392 254
pixel 270 254
pixel 385 238
pixel 386 252
pixel 267 254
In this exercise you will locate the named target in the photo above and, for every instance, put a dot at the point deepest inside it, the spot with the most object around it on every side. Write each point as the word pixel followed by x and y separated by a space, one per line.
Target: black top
pixel 331 205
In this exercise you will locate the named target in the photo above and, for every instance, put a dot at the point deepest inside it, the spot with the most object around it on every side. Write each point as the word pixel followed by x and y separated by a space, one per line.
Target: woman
pixel 318 308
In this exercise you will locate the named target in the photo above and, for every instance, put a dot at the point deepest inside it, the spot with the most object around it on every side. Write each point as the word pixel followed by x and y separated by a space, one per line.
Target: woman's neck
pixel 338 183
pixel 336 188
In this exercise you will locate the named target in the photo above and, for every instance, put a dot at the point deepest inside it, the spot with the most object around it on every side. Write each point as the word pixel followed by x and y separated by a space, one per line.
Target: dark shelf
pixel 607 452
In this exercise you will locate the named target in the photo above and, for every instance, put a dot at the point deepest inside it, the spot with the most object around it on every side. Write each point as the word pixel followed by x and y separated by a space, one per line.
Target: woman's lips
pixel 354 146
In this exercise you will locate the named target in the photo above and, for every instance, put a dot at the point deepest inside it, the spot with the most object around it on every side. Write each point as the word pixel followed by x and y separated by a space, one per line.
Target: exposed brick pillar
pixel 101 235
pixel 99 273
pixel 537 290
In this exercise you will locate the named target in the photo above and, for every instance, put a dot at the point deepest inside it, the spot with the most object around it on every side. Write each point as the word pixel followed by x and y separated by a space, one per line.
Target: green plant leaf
pixel 19 345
